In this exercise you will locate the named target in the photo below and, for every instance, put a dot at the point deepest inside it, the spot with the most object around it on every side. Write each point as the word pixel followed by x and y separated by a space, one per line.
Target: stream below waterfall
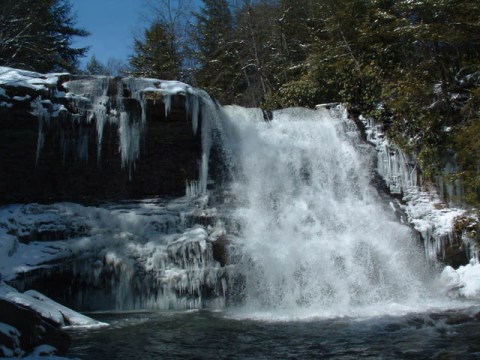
pixel 448 334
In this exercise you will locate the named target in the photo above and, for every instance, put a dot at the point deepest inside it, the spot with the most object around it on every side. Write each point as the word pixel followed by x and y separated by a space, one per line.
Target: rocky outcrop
pixel 32 323
pixel 448 232
pixel 80 140
pixel 151 254
pixel 89 139
pixel 32 331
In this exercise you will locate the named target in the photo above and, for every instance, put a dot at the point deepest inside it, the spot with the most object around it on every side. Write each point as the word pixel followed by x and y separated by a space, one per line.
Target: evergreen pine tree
pixel 154 56
pixel 218 67
pixel 38 35
pixel 95 67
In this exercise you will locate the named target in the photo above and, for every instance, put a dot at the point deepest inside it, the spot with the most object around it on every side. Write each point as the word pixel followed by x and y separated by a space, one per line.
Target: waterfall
pixel 315 237
pixel 292 226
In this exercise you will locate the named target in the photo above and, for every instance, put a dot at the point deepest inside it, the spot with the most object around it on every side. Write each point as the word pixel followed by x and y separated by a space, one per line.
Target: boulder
pixel 30 329
pixel 30 322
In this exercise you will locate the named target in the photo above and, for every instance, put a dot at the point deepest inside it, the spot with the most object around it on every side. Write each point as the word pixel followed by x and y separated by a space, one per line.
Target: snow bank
pixel 28 79
pixel 463 282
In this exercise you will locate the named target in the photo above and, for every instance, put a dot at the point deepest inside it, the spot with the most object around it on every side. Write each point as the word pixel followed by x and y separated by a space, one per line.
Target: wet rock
pixel 459 319
pixel 220 250
pixel 456 253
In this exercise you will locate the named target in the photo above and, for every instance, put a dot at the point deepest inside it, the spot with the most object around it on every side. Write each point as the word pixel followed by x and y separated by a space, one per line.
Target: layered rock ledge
pixel 86 139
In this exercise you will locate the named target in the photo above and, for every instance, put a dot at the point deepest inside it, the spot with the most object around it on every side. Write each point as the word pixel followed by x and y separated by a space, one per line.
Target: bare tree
pixel 175 17
pixel 116 67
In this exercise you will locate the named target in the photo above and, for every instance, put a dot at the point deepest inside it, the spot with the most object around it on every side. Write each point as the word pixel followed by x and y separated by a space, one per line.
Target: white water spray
pixel 316 238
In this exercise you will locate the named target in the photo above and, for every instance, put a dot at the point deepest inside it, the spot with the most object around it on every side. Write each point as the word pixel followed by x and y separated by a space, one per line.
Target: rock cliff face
pixel 88 139
pixel 449 233
pixel 70 141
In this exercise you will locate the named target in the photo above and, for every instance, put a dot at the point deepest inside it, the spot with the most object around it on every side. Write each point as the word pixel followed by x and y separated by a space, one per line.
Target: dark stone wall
pixel 169 157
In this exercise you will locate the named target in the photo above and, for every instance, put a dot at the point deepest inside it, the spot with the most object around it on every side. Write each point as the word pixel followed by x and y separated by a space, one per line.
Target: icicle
pixel 101 117
pixel 192 189
pixel 129 134
pixel 143 105
pixel 209 112
pixel 138 88
pixel 82 144
pixel 167 99
pixel 43 115
pixel 100 114
pixel 192 107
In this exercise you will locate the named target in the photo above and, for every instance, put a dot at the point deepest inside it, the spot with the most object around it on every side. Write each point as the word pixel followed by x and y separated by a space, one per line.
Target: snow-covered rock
pixel 463 282
pixel 145 254
pixel 435 222
pixel 47 308
pixel 31 323
pixel 425 210
pixel 24 329
pixel 10 77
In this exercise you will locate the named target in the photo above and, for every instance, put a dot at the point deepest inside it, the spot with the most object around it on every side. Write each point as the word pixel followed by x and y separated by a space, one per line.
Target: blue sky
pixel 112 24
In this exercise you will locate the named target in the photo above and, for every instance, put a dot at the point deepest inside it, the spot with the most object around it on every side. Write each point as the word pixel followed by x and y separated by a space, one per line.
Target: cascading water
pixel 299 232
pixel 315 239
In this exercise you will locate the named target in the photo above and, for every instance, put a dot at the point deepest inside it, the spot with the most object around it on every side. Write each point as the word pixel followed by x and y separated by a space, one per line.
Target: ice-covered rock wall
pixel 148 254
pixel 424 203
pixel 86 138
pixel 92 139
pixel 399 170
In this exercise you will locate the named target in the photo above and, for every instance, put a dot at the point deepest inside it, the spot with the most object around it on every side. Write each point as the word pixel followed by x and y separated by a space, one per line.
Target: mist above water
pixel 316 238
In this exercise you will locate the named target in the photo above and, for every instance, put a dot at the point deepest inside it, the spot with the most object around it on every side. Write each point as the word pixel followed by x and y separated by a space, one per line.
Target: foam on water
pixel 316 240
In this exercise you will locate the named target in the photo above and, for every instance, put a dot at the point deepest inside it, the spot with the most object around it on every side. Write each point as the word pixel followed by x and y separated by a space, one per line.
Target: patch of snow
pixel 430 216
pixel 463 282
pixel 22 98
pixel 14 335
pixel 47 308
pixel 29 79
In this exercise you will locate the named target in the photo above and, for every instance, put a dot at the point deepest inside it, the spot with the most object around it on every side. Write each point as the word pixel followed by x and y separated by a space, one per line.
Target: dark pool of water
pixel 215 335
